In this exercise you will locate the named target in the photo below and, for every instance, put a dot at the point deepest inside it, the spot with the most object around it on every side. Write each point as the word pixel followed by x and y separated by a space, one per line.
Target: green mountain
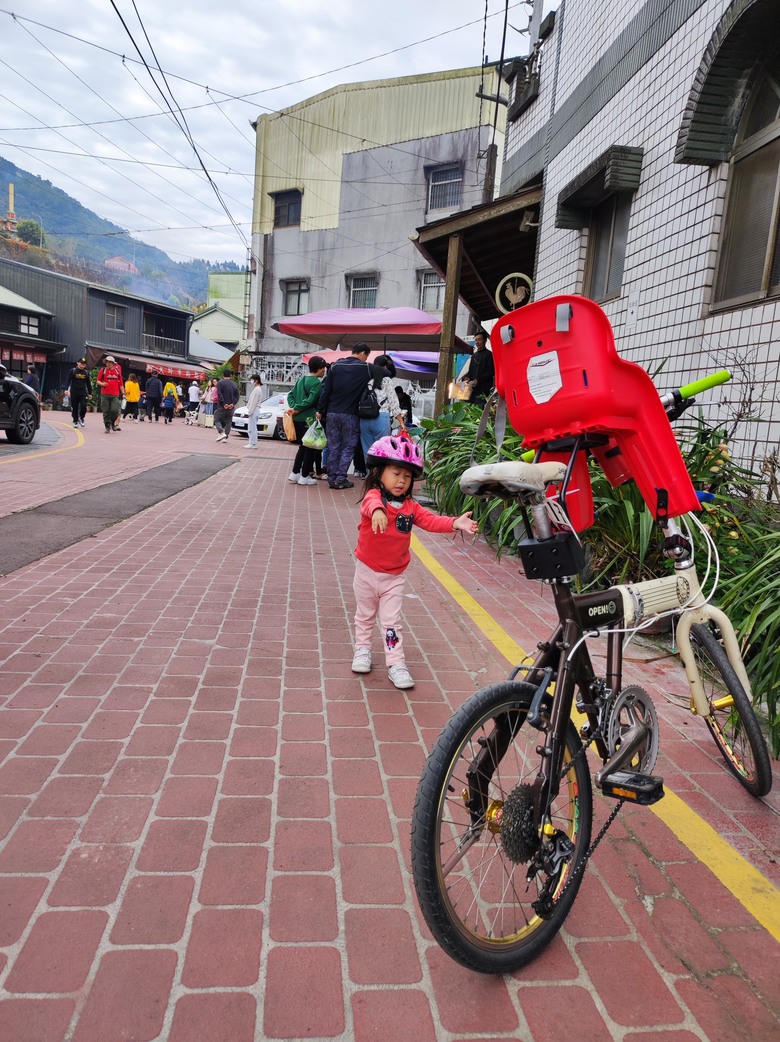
pixel 78 242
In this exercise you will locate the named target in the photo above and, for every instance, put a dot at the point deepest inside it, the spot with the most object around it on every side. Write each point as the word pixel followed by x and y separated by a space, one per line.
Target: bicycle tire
pixel 735 729
pixel 481 913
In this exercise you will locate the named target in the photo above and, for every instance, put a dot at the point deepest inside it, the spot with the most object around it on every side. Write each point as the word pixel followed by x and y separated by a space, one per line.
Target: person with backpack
pixel 170 401
pixel 302 402
pixel 343 388
pixel 112 387
pixel 154 395
pixel 79 389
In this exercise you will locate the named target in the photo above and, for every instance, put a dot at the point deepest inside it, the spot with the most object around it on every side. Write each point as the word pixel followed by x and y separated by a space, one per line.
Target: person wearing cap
pixel 80 390
pixel 112 387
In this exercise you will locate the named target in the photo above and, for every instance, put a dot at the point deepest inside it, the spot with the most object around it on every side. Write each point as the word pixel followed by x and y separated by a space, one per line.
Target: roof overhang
pixel 182 369
pixel 499 240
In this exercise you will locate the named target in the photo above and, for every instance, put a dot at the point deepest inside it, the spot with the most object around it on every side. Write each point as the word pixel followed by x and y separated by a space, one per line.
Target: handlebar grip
pixel 713 380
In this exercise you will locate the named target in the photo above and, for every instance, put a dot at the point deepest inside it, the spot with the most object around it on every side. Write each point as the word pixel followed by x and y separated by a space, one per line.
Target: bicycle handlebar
pixel 713 380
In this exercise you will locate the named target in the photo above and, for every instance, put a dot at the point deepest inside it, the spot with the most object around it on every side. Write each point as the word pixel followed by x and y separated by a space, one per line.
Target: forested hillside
pixel 77 242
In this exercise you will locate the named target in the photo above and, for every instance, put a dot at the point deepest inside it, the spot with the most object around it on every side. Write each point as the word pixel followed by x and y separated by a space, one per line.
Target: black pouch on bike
pixel 552 558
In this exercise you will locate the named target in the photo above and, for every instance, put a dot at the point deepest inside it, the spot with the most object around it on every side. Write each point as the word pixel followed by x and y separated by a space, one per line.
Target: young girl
pixel 387 515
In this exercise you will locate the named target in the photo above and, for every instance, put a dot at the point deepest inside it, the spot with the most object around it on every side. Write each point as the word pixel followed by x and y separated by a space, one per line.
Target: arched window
pixel 749 259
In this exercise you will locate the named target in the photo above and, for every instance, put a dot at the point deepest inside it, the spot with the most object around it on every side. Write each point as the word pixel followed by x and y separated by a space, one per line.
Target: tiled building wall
pixel 675 225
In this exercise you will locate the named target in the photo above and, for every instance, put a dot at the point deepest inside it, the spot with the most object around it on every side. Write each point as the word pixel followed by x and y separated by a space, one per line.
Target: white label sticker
pixel 544 376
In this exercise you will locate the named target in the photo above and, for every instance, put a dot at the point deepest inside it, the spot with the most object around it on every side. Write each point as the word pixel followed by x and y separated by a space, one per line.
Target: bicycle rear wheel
pixel 732 722
pixel 470 865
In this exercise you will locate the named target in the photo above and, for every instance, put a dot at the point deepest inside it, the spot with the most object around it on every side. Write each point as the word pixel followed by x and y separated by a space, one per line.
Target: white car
pixel 270 409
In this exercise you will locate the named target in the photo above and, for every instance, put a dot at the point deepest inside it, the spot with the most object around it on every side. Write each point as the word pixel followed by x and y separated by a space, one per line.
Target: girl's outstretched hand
pixel 379 521
pixel 464 523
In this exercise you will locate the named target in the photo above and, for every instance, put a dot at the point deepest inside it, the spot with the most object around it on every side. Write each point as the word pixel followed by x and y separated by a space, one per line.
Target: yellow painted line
pixel 745 882
pixel 753 890
pixel 27 456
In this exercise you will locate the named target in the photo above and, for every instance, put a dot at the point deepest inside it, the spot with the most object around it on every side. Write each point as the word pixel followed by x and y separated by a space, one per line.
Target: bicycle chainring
pixel 633 703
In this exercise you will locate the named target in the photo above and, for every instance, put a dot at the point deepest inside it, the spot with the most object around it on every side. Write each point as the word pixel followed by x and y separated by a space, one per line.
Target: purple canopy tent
pixel 409 364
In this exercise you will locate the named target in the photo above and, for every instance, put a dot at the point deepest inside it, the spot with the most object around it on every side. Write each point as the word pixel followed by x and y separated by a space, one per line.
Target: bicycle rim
pixel 731 721
pixel 475 897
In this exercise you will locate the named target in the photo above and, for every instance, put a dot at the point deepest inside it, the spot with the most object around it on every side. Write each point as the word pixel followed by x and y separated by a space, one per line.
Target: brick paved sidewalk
pixel 204 815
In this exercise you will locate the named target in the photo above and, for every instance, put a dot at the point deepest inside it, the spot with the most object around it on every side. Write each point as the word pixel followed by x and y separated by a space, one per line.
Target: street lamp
pixel 40 230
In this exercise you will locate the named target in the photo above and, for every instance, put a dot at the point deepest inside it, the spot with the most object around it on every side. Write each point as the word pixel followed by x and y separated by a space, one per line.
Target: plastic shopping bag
pixel 314 438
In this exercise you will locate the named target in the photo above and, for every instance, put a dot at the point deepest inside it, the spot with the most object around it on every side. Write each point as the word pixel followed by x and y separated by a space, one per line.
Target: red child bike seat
pixel 560 375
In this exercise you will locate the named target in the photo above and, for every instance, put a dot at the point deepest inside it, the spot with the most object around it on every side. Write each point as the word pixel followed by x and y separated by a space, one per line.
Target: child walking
pixel 387 516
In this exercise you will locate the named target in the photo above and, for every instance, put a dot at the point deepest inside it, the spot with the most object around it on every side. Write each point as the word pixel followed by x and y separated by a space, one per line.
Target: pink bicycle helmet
pixel 391 449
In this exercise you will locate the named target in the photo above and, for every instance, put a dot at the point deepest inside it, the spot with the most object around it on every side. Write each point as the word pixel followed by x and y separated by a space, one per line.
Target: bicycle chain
pixel 543 906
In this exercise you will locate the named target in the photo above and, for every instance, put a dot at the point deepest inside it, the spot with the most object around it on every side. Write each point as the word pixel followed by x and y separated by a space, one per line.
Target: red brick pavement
pixel 204 815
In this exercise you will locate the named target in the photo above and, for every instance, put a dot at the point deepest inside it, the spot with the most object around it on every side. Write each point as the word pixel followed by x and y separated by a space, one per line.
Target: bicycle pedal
pixel 636 788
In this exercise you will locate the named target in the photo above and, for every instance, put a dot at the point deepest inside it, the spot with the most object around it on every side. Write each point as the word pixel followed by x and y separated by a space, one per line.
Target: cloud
pixel 81 110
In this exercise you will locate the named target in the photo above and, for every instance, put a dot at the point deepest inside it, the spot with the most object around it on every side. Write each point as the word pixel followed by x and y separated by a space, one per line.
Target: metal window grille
pixel 362 291
pixel 431 291
pixel 444 188
pixel 296 298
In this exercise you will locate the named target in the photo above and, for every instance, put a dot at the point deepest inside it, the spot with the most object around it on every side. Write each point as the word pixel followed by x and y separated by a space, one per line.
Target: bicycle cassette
pixel 631 704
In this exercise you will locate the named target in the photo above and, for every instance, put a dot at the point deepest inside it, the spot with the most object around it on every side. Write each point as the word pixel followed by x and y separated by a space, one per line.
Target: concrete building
pixel 224 318
pixel 643 139
pixel 341 182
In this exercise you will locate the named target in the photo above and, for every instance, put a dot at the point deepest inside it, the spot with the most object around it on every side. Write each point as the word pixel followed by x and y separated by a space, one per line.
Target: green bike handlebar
pixel 713 380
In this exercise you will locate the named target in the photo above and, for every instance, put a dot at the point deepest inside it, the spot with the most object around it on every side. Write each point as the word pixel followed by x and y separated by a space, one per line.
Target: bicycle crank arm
pixel 630 742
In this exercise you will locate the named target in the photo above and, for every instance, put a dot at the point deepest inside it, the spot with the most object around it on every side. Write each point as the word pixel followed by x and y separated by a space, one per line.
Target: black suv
pixel 20 413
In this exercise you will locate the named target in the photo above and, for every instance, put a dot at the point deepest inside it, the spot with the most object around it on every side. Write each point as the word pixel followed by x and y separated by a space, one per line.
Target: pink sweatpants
pixel 379 594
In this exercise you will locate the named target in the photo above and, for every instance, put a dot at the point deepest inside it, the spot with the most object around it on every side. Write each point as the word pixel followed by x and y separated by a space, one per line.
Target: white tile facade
pixel 676 216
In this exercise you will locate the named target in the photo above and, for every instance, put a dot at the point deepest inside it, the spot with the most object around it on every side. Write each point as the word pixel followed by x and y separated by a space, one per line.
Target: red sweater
pixel 388 551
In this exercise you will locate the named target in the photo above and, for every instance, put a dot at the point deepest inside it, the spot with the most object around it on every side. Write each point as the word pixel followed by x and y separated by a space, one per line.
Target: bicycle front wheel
pixel 731 720
pixel 469 863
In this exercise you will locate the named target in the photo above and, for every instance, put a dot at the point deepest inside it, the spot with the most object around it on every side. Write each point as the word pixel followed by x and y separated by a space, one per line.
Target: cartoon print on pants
pixel 391 639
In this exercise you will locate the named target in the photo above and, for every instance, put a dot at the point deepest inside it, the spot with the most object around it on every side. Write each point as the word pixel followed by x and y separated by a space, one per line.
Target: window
pixel 287 209
pixel 431 291
pixel 749 262
pixel 296 297
pixel 28 324
pixel 444 187
pixel 115 317
pixel 362 291
pixel 608 234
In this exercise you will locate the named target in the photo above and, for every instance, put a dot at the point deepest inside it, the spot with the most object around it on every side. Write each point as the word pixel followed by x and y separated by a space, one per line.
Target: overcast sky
pixel 79 107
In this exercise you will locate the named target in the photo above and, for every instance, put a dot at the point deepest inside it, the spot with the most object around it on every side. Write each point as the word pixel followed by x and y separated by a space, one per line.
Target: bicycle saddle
pixel 512 475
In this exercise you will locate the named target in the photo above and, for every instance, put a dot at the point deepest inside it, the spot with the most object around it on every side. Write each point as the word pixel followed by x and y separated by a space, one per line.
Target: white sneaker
pixel 306 481
pixel 400 676
pixel 222 437
pixel 361 663
pixel 294 477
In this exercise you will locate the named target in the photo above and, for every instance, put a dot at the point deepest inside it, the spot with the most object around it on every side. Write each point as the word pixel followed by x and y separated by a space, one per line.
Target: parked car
pixel 270 409
pixel 20 412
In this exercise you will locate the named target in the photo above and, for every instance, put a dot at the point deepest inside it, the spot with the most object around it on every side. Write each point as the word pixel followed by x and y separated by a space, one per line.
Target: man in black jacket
pixel 341 392
pixel 227 399
pixel 154 390
pixel 481 374
pixel 79 389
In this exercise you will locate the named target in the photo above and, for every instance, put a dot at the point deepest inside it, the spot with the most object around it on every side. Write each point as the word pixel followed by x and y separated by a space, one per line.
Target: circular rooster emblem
pixel 513 291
